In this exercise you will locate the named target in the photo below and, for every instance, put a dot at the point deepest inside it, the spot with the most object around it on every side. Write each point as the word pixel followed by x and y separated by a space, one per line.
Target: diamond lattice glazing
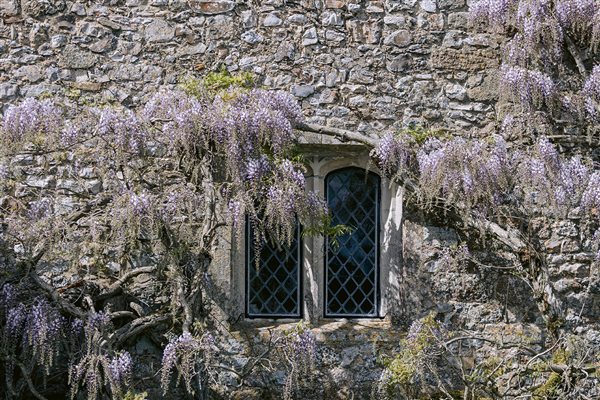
pixel 273 282
pixel 351 267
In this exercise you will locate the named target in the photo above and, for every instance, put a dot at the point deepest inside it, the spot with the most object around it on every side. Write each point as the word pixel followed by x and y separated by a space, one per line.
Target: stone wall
pixel 361 65
pixel 495 304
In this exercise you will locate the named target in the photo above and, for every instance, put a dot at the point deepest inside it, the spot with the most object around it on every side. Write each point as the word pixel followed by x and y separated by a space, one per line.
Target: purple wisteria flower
pixel 575 14
pixel 140 204
pixel 493 12
pixel 32 117
pixel 591 93
pixel 97 321
pixel 40 209
pixel 122 128
pixel 15 321
pixel 392 154
pixel 8 296
pixel 235 211
pixel 43 331
pixel 591 196
pixel 532 88
pixel 181 354
pixel 119 369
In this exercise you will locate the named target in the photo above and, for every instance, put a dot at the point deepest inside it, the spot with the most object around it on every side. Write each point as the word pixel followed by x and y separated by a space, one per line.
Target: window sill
pixel 327 330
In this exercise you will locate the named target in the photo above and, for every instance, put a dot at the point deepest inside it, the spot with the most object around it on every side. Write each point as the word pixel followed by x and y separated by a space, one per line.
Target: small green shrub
pixel 218 82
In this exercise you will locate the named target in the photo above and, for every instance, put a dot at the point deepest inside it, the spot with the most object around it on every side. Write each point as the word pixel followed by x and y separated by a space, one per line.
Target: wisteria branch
pixel 341 134
pixel 574 51
pixel 30 384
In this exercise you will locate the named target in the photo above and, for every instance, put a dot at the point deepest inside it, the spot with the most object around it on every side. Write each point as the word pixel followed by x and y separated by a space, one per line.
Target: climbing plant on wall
pixel 141 193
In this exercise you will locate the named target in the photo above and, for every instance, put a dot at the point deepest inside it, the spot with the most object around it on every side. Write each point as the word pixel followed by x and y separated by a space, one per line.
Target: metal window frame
pixel 377 291
pixel 248 261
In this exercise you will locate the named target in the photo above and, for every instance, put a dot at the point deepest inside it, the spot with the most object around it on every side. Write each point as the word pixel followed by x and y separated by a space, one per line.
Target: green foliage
pixel 73 93
pixel 131 395
pixel 192 86
pixel 223 80
pixel 402 369
pixel 298 329
pixel 326 228
pixel 420 134
pixel 550 388
pixel 217 83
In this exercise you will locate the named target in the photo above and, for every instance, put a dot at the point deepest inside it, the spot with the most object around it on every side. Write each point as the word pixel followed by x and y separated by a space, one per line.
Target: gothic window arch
pixel 301 284
pixel 352 260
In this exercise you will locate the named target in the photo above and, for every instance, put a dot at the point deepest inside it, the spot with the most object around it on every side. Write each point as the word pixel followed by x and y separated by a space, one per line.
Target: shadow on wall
pixel 464 295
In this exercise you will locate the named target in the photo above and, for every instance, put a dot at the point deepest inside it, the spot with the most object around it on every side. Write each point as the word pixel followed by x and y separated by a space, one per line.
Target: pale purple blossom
pixel 40 209
pixel 591 196
pixel 15 321
pixel 119 369
pixel 140 204
pixel 32 117
pixel 392 154
pixel 180 354
pixel 531 87
pixel 44 327
pixel 97 321
pixel 8 296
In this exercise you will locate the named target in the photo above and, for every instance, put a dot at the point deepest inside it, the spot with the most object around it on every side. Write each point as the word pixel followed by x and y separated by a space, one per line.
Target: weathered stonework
pixel 361 65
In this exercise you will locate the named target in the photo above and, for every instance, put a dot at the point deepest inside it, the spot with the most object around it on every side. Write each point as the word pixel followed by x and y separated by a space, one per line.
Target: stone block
pixel 365 32
pixel 73 56
pixel 10 8
pixel 310 37
pixel 451 4
pixel 159 31
pixel 40 182
pixel 398 64
pixel 332 18
pixel 429 6
pixel 199 48
pixel 458 20
pixel 8 91
pixel 211 7
pixel 272 20
pixel 334 36
pixel 335 4
pixel 464 59
pixel 455 92
pixel 302 90
pixel 249 19
pixel 400 38
pixel 102 45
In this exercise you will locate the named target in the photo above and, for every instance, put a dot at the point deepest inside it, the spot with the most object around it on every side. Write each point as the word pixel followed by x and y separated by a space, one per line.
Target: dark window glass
pixel 273 284
pixel 351 268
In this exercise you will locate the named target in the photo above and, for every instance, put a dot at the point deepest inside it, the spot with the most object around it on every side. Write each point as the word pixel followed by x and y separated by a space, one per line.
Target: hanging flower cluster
pixel 540 32
pixel 483 175
pixel 246 138
pixel 181 354
pixel 34 330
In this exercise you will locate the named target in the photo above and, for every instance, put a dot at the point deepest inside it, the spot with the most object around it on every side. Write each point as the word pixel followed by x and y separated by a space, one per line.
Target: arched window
pixel 273 284
pixel 352 264
pixel 313 278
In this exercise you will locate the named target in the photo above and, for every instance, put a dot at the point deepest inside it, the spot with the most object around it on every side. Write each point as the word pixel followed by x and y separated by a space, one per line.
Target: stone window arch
pixel 351 264
pixel 321 160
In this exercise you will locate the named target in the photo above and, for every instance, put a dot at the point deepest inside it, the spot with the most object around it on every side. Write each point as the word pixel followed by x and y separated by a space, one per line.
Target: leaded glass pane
pixel 351 267
pixel 273 283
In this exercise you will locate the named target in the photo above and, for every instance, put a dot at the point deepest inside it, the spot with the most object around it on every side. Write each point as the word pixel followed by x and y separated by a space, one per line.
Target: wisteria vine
pixel 543 37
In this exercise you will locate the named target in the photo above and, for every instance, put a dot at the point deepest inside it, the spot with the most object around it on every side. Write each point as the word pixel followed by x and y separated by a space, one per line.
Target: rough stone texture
pixel 368 66
pixel 388 63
